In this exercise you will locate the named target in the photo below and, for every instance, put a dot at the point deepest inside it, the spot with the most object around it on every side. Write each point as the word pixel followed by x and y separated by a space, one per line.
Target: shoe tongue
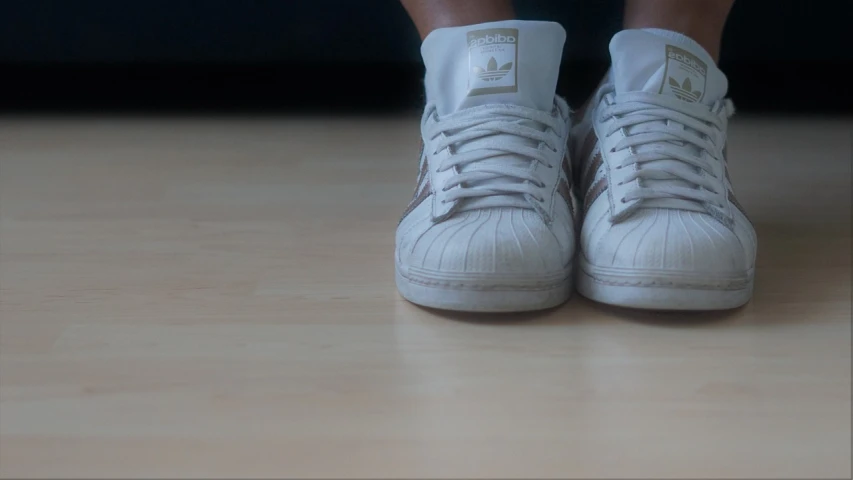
pixel 672 64
pixel 510 62
pixel 665 62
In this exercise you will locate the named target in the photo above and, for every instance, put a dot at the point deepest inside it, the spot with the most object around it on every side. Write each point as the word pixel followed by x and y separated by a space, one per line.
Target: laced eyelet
pixel 623 200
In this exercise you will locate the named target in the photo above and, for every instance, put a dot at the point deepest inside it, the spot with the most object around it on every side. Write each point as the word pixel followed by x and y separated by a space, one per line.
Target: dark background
pixel 339 55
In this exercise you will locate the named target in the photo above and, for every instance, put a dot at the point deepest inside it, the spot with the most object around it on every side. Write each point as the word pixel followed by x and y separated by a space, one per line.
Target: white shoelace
pixel 655 122
pixel 512 132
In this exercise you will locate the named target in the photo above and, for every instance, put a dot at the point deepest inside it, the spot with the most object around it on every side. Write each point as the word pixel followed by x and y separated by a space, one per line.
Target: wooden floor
pixel 215 298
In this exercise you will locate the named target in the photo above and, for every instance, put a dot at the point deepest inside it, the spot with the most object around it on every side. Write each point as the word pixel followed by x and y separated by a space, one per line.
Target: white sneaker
pixel 662 228
pixel 491 224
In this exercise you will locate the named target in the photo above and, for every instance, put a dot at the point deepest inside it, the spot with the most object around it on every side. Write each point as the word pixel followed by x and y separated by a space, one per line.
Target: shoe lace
pixel 673 145
pixel 494 150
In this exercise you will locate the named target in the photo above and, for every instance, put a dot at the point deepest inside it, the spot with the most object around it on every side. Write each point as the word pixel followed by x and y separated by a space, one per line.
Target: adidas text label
pixel 689 61
pixel 491 39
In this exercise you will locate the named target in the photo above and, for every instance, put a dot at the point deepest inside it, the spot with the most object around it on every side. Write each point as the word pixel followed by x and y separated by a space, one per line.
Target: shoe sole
pixel 484 292
pixel 657 290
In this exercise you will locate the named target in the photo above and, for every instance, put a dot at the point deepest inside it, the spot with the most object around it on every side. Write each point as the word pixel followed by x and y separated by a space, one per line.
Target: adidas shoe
pixel 662 228
pixel 491 225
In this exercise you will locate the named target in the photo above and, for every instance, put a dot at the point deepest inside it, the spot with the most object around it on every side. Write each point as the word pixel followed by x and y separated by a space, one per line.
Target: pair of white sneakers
pixel 517 196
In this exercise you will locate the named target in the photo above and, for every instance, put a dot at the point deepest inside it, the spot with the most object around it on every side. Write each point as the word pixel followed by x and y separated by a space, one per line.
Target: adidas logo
pixel 684 91
pixel 490 39
pixel 492 56
pixel 492 72
pixel 675 54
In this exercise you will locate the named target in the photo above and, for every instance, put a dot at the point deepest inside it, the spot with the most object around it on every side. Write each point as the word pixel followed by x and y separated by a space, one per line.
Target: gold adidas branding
pixel 685 75
pixel 492 60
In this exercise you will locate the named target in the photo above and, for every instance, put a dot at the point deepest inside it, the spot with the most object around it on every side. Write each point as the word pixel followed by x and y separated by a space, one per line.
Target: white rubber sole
pixel 484 292
pixel 660 290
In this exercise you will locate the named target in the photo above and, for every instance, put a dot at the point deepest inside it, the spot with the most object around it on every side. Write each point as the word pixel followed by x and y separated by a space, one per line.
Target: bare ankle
pixel 429 15
pixel 701 20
